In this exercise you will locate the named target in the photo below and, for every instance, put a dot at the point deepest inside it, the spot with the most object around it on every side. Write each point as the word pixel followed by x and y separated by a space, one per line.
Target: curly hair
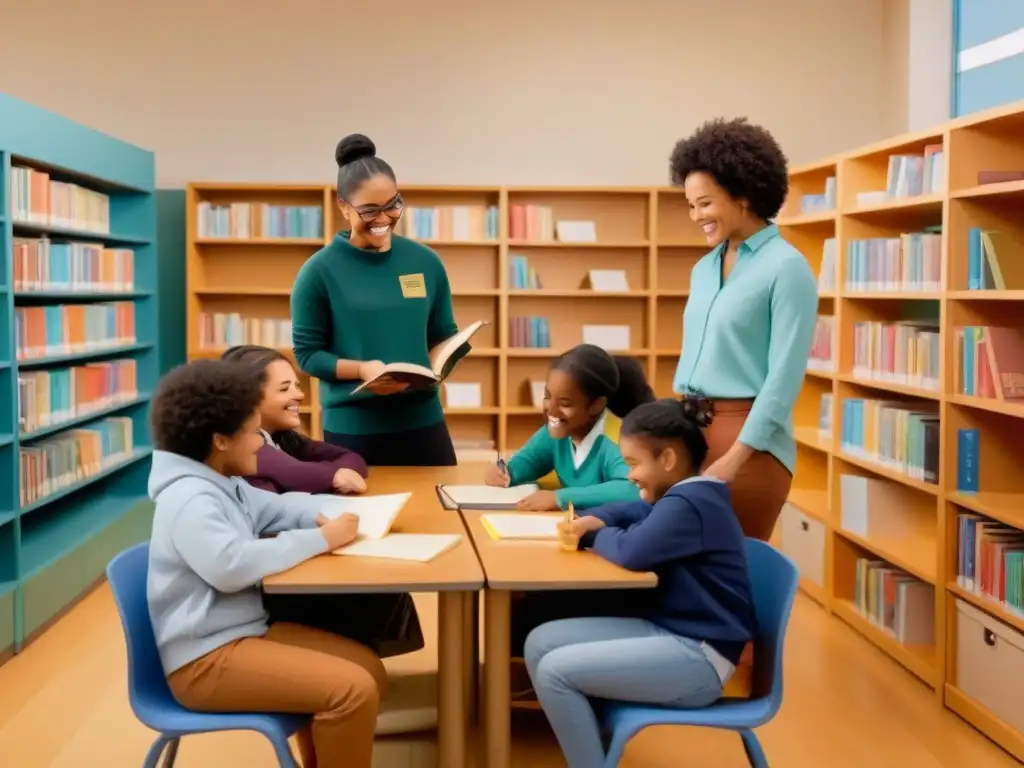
pixel 619 379
pixel 673 420
pixel 744 159
pixel 200 399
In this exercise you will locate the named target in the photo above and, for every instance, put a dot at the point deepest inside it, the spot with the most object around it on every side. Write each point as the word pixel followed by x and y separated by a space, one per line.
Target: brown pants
pixel 762 484
pixel 297 670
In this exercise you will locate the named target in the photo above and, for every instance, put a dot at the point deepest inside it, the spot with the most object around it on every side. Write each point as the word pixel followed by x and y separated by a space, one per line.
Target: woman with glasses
pixel 373 297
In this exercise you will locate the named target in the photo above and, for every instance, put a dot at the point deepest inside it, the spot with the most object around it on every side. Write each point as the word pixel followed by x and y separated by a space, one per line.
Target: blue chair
pixel 774 580
pixel 151 699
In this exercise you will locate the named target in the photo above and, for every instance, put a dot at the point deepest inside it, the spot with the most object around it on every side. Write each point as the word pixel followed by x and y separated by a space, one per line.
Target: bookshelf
pixel 906 515
pixel 78 360
pixel 506 263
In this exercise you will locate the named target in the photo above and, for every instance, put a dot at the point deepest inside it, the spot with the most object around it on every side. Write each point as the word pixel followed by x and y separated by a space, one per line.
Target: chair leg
pixel 156 750
pixel 171 755
pixel 283 751
pixel 755 754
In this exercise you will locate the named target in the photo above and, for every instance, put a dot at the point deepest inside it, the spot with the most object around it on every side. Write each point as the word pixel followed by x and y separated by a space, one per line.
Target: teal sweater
pixel 352 304
pixel 602 478
pixel 750 338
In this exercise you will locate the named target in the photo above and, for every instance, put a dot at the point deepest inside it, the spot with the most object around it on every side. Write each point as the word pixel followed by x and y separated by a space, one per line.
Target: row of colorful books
pixel 990 561
pixel 450 222
pixel 51 397
pixel 995 261
pixel 521 275
pixel 62 329
pixel 822 357
pixel 246 221
pixel 37 199
pixel 55 463
pixel 901 437
pixel 989 362
pixel 910 262
pixel 227 329
pixel 42 265
pixel 534 332
pixel 895 602
pixel 904 353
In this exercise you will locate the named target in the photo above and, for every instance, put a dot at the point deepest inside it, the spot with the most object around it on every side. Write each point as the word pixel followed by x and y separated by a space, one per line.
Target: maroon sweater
pixel 312 472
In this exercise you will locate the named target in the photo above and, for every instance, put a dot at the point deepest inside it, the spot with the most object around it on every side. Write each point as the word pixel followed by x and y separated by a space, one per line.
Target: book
pixel 521 526
pixel 442 362
pixel 415 547
pixel 376 513
pixel 483 497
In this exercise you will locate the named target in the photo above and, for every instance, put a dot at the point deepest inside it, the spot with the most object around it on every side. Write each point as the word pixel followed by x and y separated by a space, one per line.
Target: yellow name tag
pixel 413 286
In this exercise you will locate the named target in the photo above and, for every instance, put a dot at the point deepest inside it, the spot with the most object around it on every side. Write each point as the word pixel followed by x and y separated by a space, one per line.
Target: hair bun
pixel 697 409
pixel 354 147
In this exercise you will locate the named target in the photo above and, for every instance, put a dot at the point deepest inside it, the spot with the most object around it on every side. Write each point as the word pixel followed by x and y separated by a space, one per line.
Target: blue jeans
pixel 573 660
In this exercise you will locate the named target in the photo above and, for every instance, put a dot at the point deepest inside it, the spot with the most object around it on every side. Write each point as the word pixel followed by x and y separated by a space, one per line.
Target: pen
pixel 503 466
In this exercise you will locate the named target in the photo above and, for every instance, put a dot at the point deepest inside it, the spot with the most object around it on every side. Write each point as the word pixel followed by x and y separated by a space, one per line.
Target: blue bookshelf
pixel 79 350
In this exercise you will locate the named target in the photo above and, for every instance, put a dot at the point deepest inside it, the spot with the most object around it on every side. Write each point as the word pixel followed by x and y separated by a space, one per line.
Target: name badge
pixel 413 286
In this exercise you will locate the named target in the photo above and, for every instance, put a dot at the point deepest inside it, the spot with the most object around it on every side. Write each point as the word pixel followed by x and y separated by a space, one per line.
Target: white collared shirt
pixel 268 439
pixel 581 451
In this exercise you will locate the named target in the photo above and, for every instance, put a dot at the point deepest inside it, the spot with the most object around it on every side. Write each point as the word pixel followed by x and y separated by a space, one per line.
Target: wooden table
pixel 455 575
pixel 513 566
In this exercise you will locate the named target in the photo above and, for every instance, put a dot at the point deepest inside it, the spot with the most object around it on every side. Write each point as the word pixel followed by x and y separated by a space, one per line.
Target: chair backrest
pixel 127 574
pixel 774 580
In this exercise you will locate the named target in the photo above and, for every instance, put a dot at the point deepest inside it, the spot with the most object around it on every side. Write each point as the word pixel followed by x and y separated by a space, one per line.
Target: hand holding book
pixel 377 380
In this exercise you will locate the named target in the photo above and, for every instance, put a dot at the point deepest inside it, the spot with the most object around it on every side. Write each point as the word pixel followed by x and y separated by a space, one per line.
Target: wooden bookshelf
pixel 907 522
pixel 644 232
pixel 78 360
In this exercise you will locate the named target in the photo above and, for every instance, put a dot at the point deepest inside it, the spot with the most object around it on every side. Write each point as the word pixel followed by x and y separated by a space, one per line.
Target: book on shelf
pixel 894 435
pixel 530 332
pixel 903 352
pixel 821 357
pixel 825 416
pixel 990 561
pixel 827 272
pixel 246 221
pixel 875 510
pixel 521 275
pixel 913 175
pixel 38 199
pixel 50 397
pixel 42 265
pixel 412 547
pixel 62 329
pixel 895 602
pixel 55 463
pixel 376 513
pixel 533 223
pixel 989 362
pixel 995 261
pixel 910 262
pixel 442 362
pixel 228 329
pixel 817 203
pixel 455 223
pixel 482 497
pixel 968 448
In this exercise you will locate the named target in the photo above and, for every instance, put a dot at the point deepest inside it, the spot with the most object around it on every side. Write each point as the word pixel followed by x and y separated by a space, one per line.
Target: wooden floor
pixel 63 705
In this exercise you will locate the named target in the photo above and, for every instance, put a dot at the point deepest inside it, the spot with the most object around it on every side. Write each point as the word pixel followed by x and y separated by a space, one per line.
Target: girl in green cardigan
pixel 586 395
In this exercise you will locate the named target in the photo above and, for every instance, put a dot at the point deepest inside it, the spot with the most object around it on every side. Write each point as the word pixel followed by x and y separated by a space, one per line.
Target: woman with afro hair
pixel 749 320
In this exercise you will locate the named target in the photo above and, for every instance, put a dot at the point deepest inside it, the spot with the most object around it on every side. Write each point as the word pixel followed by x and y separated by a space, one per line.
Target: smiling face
pixel 653 469
pixel 719 215
pixel 281 398
pixel 569 411
pixel 372 212
pixel 236 454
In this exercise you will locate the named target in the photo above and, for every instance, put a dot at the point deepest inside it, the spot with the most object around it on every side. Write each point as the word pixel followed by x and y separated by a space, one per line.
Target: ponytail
pixel 673 420
pixel 620 380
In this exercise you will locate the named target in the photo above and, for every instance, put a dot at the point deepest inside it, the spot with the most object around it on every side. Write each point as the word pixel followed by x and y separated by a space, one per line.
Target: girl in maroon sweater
pixel 288 460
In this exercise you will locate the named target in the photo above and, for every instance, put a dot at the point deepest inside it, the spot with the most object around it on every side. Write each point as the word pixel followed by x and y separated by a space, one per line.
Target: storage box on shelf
pixel 925 542
pixel 78 359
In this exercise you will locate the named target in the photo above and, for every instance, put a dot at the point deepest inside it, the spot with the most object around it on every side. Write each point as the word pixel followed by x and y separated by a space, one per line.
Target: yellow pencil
pixel 570 513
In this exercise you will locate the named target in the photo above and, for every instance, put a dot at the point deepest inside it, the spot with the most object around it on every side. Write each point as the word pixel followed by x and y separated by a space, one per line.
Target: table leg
pixel 497 693
pixel 451 666
pixel 471 653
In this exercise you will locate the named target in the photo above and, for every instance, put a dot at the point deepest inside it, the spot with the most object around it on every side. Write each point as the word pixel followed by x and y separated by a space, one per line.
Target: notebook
pixel 521 526
pixel 415 547
pixel 483 496
pixel 376 513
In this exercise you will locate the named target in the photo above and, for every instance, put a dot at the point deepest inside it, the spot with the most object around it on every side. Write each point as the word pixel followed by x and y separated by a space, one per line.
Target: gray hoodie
pixel 206 557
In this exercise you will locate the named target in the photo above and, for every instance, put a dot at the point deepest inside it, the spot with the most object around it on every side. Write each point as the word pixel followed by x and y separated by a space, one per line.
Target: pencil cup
pixel 568 542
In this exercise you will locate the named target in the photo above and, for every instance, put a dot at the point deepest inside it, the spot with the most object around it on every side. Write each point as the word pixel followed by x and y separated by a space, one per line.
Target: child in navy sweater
pixel 685 637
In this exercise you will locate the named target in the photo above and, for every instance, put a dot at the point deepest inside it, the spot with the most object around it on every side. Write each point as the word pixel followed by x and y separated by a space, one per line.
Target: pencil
pixel 570 513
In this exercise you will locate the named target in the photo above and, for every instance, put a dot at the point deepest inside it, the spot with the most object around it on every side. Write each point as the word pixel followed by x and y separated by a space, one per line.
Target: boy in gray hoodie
pixel 214 539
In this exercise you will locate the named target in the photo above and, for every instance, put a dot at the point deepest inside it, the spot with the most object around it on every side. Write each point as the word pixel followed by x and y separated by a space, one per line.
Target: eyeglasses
pixel 392 209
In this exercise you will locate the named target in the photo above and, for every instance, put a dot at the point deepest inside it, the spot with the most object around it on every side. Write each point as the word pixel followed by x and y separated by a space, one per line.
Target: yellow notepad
pixel 521 526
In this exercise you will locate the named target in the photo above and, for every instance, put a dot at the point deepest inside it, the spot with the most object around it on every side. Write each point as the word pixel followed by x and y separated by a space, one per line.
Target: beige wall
pixel 453 91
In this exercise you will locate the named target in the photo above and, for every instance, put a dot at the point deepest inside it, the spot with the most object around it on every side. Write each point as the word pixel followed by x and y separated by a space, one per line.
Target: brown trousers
pixel 295 669
pixel 762 484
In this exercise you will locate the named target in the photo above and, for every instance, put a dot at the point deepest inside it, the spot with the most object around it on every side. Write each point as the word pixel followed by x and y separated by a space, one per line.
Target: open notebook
pixel 482 497
pixel 376 513
pixel 415 547
pixel 521 526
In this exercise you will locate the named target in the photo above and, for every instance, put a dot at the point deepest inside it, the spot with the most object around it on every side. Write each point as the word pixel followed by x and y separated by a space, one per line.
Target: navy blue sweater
pixel 691 539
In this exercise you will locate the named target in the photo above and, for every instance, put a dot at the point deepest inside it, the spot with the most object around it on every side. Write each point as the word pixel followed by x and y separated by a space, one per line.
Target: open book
pixel 483 497
pixel 441 363
pixel 376 513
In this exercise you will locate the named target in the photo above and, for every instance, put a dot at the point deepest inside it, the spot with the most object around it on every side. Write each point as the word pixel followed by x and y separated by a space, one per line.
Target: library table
pixel 527 566
pixel 455 575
